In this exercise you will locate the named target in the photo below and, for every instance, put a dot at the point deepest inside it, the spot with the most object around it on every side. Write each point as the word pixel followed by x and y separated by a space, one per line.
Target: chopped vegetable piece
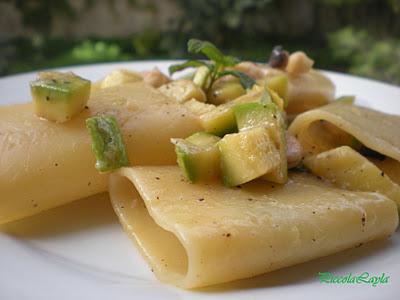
pixel 198 156
pixel 202 139
pixel 221 120
pixel 223 91
pixel 59 96
pixel 182 90
pixel 247 155
pixel 251 115
pixel 279 58
pixel 346 99
pixel 107 143
pixel 202 76
pixel 280 85
pixel 269 95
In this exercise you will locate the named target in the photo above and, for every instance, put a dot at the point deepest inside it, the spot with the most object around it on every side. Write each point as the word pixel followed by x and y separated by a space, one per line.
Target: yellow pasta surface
pixel 44 164
pixel 195 235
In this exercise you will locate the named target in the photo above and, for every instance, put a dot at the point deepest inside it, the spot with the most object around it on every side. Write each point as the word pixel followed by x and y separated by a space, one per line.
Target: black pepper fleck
pixel 382 173
pixel 363 220
pixel 86 107
pixel 47 98
pixel 158 178
pixel 313 240
pixel 319 177
pixel 314 212
pixel 56 164
pixel 201 199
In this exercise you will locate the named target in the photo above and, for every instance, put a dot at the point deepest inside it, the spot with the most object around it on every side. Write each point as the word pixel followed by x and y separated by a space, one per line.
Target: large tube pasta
pixel 350 170
pixel 308 91
pixel 194 235
pixel 336 124
pixel 44 164
pixel 323 132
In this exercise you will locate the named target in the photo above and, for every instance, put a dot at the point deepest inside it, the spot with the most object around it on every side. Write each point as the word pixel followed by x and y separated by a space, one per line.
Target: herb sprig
pixel 217 64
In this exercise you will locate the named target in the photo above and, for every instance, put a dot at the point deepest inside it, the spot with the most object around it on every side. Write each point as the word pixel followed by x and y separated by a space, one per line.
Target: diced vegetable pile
pixel 244 136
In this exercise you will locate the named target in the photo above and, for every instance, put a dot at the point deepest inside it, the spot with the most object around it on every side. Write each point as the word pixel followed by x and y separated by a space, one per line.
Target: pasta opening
pixel 160 247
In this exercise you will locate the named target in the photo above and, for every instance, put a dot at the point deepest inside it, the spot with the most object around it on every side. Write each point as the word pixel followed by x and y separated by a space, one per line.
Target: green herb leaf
pixel 229 61
pixel 188 64
pixel 211 51
pixel 246 81
pixel 107 143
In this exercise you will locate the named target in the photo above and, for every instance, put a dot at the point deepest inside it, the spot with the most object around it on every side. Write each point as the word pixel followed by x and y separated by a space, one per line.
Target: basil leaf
pixel 188 64
pixel 246 81
pixel 230 61
pixel 208 49
pixel 211 51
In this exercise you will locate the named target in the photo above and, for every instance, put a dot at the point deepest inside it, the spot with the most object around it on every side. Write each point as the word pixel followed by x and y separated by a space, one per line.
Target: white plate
pixel 79 251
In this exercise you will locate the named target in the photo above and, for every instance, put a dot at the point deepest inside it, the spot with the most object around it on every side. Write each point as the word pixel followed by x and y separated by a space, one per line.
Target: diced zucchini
pixel 221 120
pixel 223 91
pixel 107 143
pixel 59 96
pixel 203 139
pixel 280 85
pixel 201 77
pixel 198 156
pixel 247 155
pixel 272 95
pixel 251 115
pixel 182 90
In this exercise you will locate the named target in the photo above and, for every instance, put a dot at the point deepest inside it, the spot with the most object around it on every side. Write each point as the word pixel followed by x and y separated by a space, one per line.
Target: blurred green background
pixel 361 37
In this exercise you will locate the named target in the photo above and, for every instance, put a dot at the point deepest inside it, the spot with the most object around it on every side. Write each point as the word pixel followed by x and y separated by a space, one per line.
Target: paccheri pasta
pixel 231 171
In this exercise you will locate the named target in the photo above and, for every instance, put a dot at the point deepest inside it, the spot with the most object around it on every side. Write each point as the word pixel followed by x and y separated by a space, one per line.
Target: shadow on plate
pixel 96 211
pixel 306 272
pixel 83 214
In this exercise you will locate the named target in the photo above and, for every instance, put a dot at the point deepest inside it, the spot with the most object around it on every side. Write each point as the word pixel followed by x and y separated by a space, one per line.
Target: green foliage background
pixel 357 36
